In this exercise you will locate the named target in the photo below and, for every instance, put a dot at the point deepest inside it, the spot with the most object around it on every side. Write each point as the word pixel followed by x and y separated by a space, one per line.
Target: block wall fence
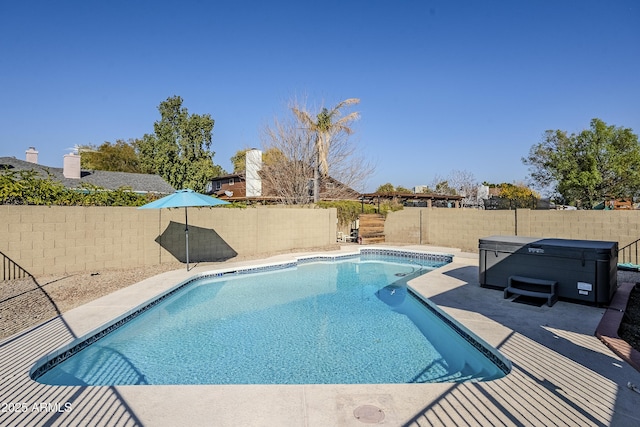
pixel 461 228
pixel 47 240
pixel 55 240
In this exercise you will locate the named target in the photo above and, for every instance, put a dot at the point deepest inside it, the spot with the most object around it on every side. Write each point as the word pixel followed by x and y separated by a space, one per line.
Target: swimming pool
pixel 321 320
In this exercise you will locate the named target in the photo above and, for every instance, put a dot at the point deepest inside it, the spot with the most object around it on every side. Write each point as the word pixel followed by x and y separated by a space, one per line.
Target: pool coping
pixel 562 373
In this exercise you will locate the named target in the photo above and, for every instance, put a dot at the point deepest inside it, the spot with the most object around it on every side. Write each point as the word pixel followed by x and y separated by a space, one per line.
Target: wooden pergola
pixel 413 199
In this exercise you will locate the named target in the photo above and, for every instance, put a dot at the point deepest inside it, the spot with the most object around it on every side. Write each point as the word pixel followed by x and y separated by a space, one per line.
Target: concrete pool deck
pixel 562 374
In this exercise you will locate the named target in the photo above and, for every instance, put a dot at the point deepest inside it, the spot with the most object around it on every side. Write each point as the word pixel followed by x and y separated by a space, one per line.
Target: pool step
pixel 467 373
pixel 482 374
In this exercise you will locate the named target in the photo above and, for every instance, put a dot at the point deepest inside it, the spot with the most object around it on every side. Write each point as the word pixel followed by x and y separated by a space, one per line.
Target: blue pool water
pixel 348 321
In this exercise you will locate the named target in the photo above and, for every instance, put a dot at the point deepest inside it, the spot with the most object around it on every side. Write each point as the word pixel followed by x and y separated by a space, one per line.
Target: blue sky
pixel 444 85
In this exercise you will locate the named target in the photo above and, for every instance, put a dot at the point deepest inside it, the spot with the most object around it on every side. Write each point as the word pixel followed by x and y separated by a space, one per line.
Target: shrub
pixel 349 210
pixel 28 188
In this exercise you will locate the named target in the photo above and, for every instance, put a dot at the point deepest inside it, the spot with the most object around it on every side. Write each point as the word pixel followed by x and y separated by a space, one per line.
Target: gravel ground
pixel 27 302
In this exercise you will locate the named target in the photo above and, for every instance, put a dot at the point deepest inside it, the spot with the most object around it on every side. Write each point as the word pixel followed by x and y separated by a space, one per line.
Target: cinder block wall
pixel 461 228
pixel 404 226
pixel 620 226
pixel 60 239
pixel 55 240
pixel 458 228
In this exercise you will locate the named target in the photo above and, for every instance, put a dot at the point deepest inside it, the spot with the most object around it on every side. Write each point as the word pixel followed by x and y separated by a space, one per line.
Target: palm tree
pixel 326 127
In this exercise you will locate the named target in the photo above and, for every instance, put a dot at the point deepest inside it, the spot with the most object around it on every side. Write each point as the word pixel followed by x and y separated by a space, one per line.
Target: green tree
pixel 118 157
pixel 238 160
pixel 518 195
pixel 326 126
pixel 387 188
pixel 584 168
pixel 180 148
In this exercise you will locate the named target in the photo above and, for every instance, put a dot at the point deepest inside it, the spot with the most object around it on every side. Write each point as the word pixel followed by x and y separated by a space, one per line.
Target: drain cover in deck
pixel 369 414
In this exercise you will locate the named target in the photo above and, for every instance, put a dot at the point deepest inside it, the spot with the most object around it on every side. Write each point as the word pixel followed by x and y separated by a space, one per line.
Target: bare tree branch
pixel 315 146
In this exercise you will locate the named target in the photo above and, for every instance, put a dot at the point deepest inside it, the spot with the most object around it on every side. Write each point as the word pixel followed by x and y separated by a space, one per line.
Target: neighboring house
pixel 248 185
pixel 332 189
pixel 71 175
pixel 617 204
pixel 232 186
pixel 243 185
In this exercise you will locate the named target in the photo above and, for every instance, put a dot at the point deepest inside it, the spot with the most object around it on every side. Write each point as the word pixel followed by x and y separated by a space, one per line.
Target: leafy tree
pixel 326 126
pixel 516 191
pixel 118 157
pixel 387 188
pixel 180 148
pixel 602 161
pixel 238 160
pixel 519 195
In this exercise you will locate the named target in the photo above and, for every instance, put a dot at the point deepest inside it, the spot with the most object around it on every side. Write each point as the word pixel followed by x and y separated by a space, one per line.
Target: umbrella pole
pixel 186 235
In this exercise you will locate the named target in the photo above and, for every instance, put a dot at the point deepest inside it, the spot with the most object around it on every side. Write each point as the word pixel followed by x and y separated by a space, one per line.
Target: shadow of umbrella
pixel 184 199
pixel 205 244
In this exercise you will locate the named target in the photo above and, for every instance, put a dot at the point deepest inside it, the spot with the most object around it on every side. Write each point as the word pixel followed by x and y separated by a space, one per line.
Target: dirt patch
pixel 27 302
pixel 630 326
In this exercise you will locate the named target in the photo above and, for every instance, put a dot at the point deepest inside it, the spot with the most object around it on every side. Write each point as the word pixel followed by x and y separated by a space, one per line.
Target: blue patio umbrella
pixel 184 199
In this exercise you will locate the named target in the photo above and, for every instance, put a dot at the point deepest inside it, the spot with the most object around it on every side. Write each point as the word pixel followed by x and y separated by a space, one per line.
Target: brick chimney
pixel 71 166
pixel 32 155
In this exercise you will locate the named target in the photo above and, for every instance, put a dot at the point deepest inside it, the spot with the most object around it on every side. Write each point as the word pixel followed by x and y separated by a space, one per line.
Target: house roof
pixel 240 174
pixel 139 182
